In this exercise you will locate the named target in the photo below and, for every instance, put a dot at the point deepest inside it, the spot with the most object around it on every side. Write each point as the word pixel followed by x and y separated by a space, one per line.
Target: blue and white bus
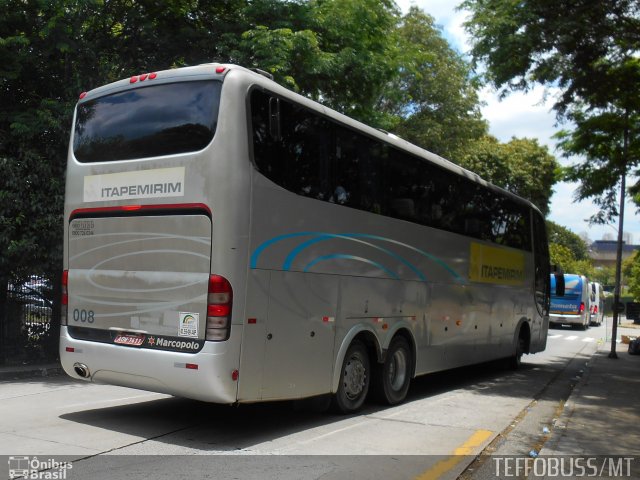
pixel 573 307
pixel 231 241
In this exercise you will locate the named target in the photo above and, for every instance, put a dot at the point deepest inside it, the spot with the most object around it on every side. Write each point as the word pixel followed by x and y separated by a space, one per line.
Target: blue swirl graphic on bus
pixel 350 257
pixel 286 266
pixel 359 238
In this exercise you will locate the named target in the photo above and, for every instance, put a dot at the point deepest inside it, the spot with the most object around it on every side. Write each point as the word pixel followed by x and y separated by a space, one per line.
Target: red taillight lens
pixel 65 287
pixel 219 300
pixel 218 310
pixel 595 309
pixel 65 297
pixel 581 307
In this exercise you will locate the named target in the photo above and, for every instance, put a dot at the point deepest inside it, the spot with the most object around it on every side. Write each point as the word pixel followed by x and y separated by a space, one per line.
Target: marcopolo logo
pixel 35 468
pixel 173 343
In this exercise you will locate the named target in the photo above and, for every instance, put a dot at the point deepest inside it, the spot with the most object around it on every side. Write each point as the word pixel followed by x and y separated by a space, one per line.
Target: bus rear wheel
pixel 391 379
pixel 355 376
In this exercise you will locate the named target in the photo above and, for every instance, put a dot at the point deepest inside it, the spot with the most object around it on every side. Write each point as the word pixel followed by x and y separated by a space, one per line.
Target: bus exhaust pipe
pixel 81 369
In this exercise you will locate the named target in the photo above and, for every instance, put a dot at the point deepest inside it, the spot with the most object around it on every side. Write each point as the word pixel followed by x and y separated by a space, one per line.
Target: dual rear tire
pixel 388 381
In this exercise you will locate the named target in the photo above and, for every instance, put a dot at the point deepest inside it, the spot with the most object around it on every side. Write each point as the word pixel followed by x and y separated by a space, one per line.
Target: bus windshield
pixel 163 119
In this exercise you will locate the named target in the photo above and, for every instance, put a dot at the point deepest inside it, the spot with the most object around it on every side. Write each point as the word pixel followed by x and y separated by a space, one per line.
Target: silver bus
pixel 231 241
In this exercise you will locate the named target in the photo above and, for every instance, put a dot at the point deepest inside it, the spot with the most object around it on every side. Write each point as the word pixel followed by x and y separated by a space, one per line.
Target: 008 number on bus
pixel 83 316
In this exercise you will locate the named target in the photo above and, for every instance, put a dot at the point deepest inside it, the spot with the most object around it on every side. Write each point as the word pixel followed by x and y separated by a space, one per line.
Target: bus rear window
pixel 147 122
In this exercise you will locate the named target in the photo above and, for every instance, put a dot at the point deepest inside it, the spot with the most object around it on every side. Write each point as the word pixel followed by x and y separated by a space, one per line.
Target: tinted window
pixel 542 267
pixel 145 122
pixel 296 155
pixel 313 156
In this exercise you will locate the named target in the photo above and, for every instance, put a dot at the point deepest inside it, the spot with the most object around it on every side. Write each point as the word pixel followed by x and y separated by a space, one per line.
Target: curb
pixel 31 371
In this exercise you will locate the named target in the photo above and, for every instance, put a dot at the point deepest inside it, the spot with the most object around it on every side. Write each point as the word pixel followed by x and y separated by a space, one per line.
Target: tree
pixel 562 256
pixel 435 94
pixel 521 166
pixel 341 52
pixel 604 275
pixel 563 236
pixel 587 50
pixel 632 275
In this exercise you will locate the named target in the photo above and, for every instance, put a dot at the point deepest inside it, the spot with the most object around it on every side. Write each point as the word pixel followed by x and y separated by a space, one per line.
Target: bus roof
pixel 220 71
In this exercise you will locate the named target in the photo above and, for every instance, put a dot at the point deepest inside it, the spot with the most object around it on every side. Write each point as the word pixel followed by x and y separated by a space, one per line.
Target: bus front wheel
pixel 521 347
pixel 391 379
pixel 354 379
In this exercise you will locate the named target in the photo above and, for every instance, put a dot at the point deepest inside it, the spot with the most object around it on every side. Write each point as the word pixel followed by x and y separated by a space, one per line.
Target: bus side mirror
pixel 274 119
pixel 559 276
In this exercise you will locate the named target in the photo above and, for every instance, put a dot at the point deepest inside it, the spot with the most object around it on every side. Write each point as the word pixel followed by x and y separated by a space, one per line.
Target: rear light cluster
pixel 65 297
pixel 219 303
pixel 581 307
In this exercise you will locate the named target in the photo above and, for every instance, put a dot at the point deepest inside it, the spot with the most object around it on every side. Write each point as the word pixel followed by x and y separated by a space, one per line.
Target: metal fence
pixel 27 321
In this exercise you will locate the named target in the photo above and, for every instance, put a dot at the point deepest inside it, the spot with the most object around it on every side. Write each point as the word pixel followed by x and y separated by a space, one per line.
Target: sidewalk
pixel 602 415
pixel 16 372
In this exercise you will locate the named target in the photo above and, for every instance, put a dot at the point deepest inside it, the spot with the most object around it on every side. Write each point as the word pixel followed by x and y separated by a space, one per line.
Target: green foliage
pixel 631 272
pixel 521 166
pixel 565 237
pixel 563 257
pixel 588 51
pixel 607 134
pixel 604 275
pixel 435 95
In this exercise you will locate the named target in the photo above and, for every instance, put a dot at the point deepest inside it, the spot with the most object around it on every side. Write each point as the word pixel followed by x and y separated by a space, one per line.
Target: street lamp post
pixel 616 292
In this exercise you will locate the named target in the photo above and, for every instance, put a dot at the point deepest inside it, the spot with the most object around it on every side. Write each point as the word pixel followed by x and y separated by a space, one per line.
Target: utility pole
pixel 616 292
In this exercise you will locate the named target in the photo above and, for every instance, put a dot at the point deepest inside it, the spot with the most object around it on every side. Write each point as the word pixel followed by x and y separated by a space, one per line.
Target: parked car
pixel 34 294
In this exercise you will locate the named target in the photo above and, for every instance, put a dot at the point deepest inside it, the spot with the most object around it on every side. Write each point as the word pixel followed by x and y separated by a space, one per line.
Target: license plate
pixel 129 339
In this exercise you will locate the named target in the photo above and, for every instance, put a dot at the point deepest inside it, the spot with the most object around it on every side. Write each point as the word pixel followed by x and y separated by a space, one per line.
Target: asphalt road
pixel 448 418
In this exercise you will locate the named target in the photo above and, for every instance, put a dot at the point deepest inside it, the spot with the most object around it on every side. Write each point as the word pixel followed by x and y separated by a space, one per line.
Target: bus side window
pixel 542 279
pixel 306 138
pixel 267 152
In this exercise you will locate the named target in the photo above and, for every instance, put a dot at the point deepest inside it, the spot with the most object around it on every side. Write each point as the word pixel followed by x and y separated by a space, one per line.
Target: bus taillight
pixel 218 308
pixel 581 307
pixel 65 297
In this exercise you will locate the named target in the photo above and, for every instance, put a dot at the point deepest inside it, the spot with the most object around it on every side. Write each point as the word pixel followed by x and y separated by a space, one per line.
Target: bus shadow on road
pixel 182 425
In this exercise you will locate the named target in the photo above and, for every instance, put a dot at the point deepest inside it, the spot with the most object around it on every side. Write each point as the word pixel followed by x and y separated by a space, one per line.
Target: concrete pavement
pixel 602 415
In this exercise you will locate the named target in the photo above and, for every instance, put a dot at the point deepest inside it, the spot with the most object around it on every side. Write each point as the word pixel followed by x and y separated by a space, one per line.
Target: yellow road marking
pixel 467 448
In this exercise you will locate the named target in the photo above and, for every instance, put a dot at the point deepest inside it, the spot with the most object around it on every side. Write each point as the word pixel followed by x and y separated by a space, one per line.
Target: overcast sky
pixel 526 115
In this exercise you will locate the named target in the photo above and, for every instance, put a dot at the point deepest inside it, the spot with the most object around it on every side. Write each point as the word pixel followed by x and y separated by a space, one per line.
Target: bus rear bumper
pixel 201 376
pixel 568 319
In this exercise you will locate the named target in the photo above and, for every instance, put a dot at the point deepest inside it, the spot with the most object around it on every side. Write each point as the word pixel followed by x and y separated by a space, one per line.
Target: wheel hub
pixel 354 378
